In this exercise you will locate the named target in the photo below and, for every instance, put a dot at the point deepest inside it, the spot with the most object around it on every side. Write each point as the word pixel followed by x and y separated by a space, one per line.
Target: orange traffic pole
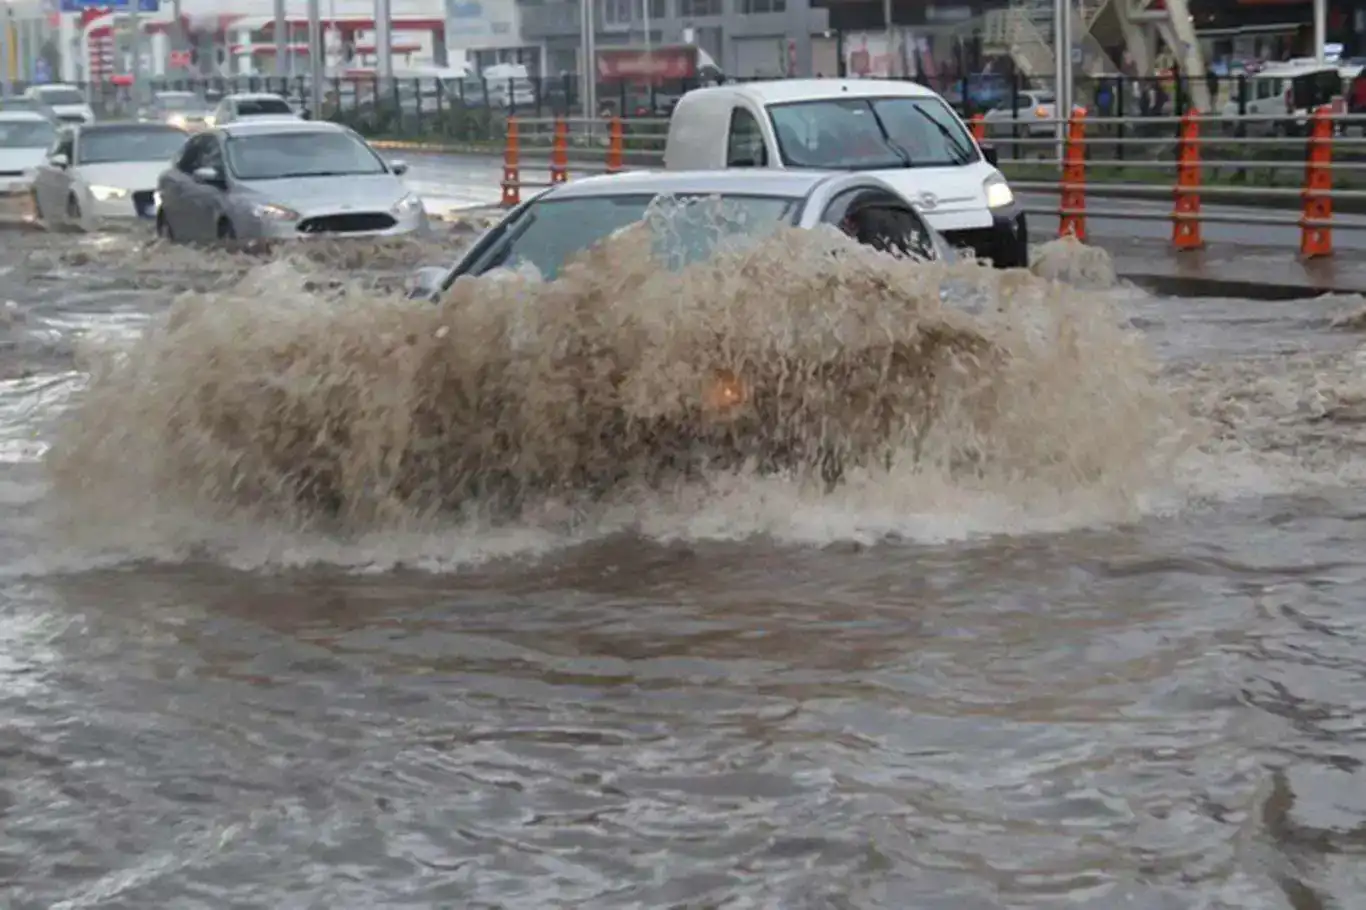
pixel 979 128
pixel 614 148
pixel 559 153
pixel 1072 203
pixel 512 177
pixel 1186 228
pixel 1316 224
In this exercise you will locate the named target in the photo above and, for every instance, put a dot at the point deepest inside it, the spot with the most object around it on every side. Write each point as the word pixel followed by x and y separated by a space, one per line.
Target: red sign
pixel 179 60
pixel 651 65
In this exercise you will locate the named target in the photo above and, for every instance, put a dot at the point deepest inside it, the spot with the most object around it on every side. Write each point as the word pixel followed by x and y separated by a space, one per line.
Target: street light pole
pixel 282 55
pixel 315 61
pixel 135 44
pixel 887 23
pixel 384 43
pixel 6 52
pixel 1062 68
pixel 588 89
pixel 1320 29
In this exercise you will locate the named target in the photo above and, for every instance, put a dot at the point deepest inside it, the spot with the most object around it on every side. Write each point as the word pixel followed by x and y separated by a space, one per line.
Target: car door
pixel 211 201
pixel 177 190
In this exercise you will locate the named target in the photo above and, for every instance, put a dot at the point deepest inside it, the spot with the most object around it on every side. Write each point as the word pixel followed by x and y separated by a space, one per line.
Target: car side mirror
pixel 208 175
pixel 990 154
pixel 399 167
pixel 426 283
pixel 60 161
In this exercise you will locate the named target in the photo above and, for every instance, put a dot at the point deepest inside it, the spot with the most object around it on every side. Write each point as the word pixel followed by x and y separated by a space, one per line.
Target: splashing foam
pixel 521 414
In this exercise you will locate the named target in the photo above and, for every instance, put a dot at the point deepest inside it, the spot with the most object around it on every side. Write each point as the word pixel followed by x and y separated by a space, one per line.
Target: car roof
pixel 1292 70
pixel 22 116
pixel 736 181
pixel 255 96
pixel 782 91
pixel 177 94
pixel 254 127
pixel 114 126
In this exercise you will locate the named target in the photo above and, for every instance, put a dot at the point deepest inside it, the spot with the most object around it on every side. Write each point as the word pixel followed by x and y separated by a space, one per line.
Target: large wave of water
pixel 956 400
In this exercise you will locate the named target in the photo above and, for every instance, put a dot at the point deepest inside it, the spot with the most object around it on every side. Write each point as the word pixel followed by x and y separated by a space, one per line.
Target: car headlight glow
pixel 408 205
pixel 998 193
pixel 156 199
pixel 108 193
pixel 176 120
pixel 272 212
pixel 210 120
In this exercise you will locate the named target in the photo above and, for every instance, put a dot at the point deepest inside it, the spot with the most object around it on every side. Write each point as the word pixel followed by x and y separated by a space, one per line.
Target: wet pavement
pixel 907 695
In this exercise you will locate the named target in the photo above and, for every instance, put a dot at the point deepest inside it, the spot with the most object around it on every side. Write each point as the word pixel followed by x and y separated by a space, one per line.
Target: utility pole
pixel 6 52
pixel 135 45
pixel 1062 68
pixel 1320 29
pixel 315 61
pixel 588 66
pixel 887 23
pixel 384 42
pixel 282 54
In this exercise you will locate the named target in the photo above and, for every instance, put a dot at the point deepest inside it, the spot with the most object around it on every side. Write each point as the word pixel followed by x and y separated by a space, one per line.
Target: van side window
pixel 745 146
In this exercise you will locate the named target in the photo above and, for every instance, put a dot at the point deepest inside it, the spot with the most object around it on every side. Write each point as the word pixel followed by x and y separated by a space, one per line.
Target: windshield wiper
pixel 316 174
pixel 964 156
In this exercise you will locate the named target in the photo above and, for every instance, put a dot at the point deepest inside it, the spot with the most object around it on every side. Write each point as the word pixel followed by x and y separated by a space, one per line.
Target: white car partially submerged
pixel 25 138
pixel 546 230
pixel 104 171
pixel 902 132
pixel 67 103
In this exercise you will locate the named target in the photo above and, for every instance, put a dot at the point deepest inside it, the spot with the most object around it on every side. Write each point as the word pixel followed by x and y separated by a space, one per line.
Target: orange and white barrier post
pixel 1316 232
pixel 512 177
pixel 1186 233
pixel 614 147
pixel 559 153
pixel 979 128
pixel 1072 207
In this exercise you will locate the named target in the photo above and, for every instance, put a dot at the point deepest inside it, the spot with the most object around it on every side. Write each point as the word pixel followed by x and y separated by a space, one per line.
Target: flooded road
pixel 908 693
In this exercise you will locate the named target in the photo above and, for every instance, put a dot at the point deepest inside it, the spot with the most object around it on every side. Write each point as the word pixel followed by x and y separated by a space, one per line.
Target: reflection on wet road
pixel 908 695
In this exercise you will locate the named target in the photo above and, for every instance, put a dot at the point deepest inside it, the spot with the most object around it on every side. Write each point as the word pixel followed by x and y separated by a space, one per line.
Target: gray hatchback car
pixel 283 180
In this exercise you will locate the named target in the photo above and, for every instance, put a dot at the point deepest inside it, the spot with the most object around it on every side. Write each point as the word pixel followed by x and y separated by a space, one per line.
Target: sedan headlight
pixel 998 192
pixel 108 193
pixel 176 120
pixel 408 205
pixel 272 212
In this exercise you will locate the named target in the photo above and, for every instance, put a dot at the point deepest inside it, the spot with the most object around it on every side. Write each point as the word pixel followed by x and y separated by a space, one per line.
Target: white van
pixel 903 132
pixel 1291 91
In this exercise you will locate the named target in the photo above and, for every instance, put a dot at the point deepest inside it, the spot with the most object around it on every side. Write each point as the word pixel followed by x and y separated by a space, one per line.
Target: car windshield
pixel 687 228
pixel 870 134
pixel 61 96
pixel 131 143
pixel 18 104
pixel 305 153
pixel 248 107
pixel 26 134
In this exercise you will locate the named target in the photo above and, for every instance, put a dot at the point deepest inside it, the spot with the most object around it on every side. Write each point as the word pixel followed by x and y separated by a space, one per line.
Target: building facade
pixel 746 38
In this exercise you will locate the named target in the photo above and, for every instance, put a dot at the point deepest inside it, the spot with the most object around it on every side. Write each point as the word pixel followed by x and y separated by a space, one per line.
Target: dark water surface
pixel 1162 714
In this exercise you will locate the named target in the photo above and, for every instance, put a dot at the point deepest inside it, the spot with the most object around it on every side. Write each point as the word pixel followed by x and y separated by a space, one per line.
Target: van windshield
pixel 870 134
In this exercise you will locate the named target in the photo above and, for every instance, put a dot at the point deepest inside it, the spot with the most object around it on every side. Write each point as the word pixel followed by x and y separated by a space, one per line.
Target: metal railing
pixel 1190 160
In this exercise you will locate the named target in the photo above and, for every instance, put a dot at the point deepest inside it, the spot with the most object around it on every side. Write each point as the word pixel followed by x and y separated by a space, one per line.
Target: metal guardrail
pixel 1189 160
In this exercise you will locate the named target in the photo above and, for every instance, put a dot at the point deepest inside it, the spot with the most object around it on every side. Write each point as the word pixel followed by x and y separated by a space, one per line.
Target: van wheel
pixel 164 228
pixel 225 231
pixel 73 210
pixel 37 206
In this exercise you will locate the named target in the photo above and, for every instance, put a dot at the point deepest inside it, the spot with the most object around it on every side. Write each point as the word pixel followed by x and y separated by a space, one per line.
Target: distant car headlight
pixel 998 193
pixel 156 199
pixel 108 193
pixel 272 212
pixel 210 120
pixel 407 205
pixel 176 120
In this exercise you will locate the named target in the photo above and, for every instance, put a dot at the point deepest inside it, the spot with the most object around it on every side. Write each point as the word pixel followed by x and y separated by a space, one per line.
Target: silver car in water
pixel 279 180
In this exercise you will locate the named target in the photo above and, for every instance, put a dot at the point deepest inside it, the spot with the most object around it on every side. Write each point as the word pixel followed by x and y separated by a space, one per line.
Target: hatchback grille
pixel 348 223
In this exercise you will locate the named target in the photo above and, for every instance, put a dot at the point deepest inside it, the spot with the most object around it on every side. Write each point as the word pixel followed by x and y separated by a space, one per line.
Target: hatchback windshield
pixel 870 134
pixel 251 107
pixel 61 96
pixel 26 134
pixel 305 153
pixel 130 143
pixel 548 233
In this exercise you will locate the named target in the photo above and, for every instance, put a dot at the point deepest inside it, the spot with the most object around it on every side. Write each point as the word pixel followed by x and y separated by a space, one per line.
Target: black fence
pixel 474 110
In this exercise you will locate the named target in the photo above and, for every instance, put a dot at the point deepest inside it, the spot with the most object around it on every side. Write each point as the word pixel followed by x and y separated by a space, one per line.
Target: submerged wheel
pixel 73 210
pixel 225 231
pixel 164 228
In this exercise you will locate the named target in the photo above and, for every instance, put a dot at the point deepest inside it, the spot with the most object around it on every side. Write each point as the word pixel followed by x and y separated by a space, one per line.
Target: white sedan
pixel 104 171
pixel 25 138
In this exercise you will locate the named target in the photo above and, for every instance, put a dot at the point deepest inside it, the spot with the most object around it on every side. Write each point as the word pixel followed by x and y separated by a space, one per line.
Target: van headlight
pixel 998 192
pixel 107 193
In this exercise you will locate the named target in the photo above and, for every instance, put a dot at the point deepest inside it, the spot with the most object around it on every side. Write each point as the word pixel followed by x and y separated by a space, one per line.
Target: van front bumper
pixel 1005 242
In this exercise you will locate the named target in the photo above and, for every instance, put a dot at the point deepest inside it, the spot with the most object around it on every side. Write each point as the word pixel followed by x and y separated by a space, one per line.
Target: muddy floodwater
pixel 1003 688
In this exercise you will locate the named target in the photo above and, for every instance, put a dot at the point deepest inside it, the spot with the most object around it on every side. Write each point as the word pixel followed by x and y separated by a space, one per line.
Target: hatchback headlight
pixel 407 205
pixel 998 192
pixel 272 212
pixel 108 193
